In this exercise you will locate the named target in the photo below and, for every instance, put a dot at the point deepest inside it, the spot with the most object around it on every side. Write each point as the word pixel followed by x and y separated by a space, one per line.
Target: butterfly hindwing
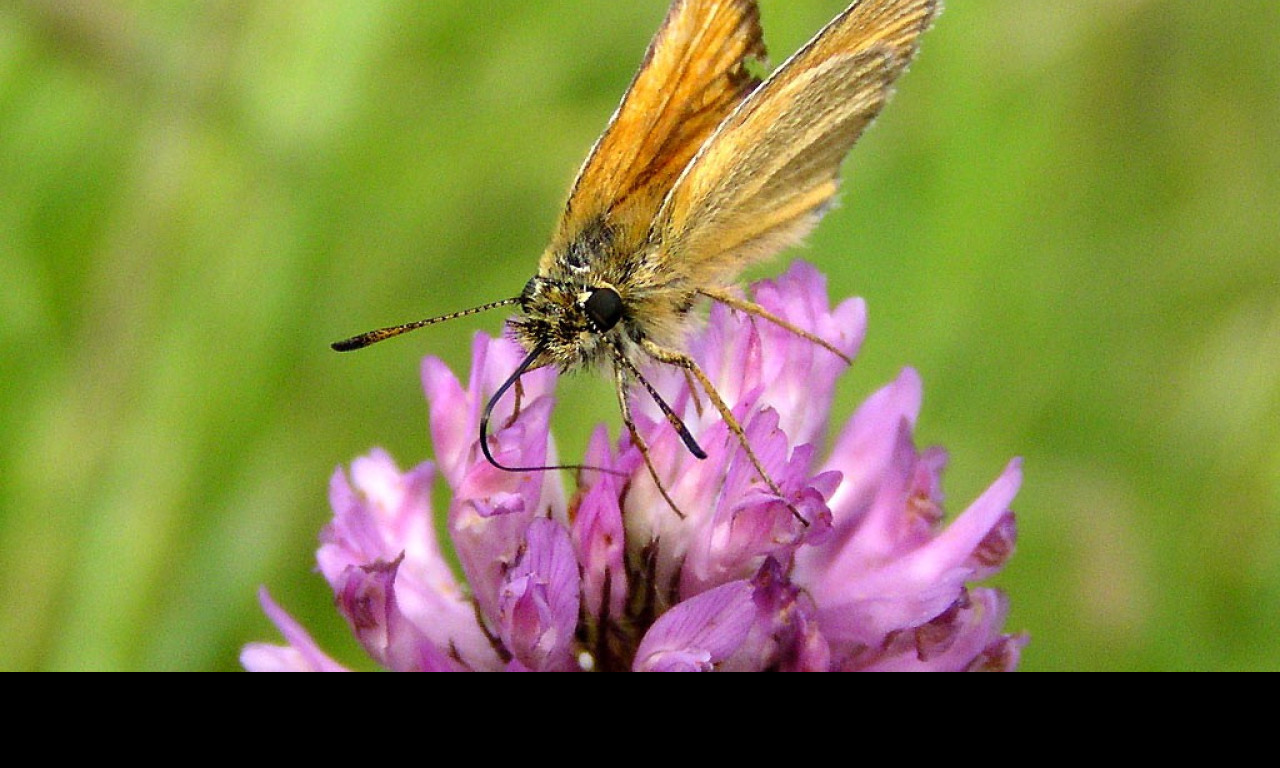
pixel 772 168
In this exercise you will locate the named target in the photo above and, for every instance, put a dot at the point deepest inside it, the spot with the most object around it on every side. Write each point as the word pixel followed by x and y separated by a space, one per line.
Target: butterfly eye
pixel 604 308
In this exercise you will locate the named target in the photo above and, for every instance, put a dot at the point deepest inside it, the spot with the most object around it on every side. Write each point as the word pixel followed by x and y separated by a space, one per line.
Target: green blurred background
pixel 1066 220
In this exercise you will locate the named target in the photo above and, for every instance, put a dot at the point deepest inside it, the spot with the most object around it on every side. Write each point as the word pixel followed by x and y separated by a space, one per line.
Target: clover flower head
pixel 607 576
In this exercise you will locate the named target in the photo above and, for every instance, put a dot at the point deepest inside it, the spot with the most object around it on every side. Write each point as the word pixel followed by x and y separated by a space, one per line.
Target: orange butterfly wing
pixel 694 74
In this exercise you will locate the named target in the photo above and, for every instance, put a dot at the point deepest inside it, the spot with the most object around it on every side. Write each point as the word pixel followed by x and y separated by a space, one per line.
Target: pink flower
pixel 612 578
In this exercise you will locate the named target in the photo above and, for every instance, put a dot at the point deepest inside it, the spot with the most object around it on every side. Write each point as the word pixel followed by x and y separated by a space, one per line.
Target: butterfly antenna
pixel 382 334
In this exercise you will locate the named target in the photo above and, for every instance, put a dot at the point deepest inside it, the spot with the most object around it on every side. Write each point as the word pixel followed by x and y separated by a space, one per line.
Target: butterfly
pixel 703 170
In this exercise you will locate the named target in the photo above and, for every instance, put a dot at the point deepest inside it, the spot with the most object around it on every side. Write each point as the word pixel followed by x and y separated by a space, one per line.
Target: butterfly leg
pixel 751 308
pixel 620 379
pixel 672 357
pixel 693 392
pixel 515 409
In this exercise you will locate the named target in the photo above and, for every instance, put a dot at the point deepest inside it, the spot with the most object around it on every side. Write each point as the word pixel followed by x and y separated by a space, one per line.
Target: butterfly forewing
pixel 763 179
pixel 693 76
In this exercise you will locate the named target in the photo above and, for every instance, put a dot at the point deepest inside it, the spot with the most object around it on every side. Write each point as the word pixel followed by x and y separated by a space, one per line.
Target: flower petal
pixel 973 641
pixel 867 445
pixel 598 533
pixel 864 598
pixel 538 603
pixel 799 375
pixel 700 632
pixel 387 517
pixel 301 654
pixel 386 513
pixel 785 635
pixel 748 522
pixel 366 596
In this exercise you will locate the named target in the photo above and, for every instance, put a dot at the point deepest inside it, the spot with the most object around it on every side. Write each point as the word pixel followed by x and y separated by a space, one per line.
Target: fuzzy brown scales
pixel 556 306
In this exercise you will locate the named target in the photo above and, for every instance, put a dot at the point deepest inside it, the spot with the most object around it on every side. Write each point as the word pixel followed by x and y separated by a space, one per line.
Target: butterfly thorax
pixel 595 292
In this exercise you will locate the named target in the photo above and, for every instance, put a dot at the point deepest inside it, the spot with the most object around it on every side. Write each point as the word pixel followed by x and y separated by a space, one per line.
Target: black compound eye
pixel 604 308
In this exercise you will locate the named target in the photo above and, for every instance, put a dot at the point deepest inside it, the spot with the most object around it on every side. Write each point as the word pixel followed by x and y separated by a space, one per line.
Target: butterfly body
pixel 596 291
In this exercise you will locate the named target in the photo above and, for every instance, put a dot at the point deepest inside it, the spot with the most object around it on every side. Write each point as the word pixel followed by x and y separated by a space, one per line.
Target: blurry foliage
pixel 1066 221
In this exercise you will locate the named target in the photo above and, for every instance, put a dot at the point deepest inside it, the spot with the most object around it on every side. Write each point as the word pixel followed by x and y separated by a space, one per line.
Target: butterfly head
pixel 567 320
